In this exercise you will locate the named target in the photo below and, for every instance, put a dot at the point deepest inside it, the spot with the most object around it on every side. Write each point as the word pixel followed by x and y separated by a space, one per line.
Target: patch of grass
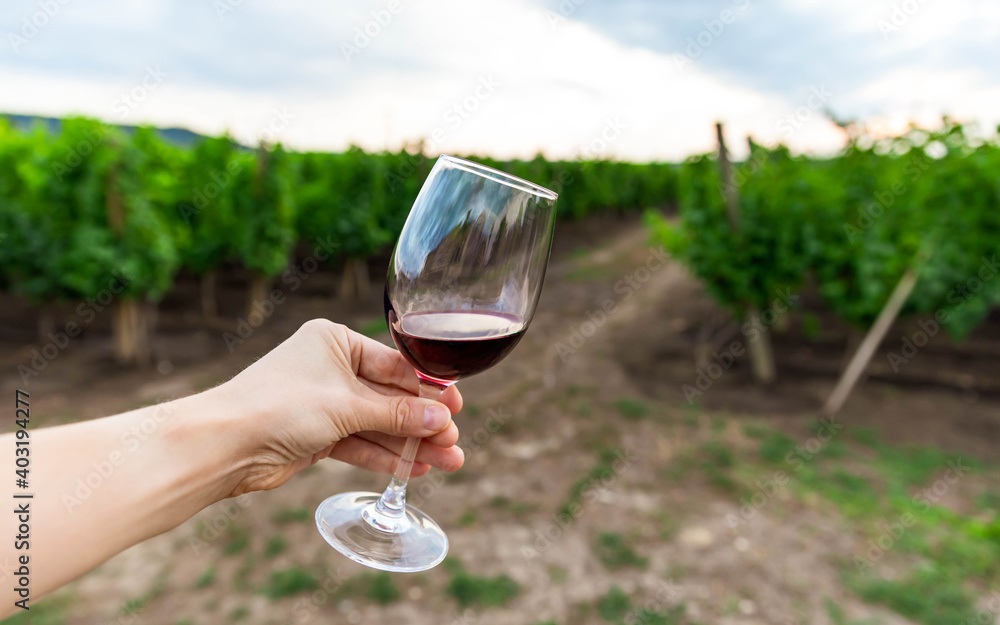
pixel 717 454
pixel 927 596
pixel 866 436
pixel 908 467
pixel 557 574
pixel 241 579
pixel 499 502
pixel 289 581
pixel 584 410
pixel 382 589
pixel 283 516
pixel 717 457
pixel 239 614
pixel 603 471
pixel 775 447
pixel 719 425
pixel 615 552
pixel 989 501
pixel 468 518
pixel 679 466
pixel 207 578
pixel 631 408
pixel 834 448
pixel 667 524
pixel 137 604
pixel 758 432
pixel 374 327
pixel 672 616
pixel 275 545
pixel 471 590
pixel 237 540
pixel 614 606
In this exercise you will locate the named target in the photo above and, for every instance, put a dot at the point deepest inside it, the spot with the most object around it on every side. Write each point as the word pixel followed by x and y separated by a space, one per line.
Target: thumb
pixel 402 416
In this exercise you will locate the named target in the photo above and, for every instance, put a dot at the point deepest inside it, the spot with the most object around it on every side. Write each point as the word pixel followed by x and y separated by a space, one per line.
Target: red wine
pixel 449 345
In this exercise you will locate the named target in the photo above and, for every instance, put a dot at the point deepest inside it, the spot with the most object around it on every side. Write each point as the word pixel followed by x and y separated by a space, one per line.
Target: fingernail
pixel 436 417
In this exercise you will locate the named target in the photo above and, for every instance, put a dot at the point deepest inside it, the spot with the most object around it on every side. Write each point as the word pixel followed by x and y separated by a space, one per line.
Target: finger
pixel 451 397
pixel 399 415
pixel 444 458
pixel 447 437
pixel 370 456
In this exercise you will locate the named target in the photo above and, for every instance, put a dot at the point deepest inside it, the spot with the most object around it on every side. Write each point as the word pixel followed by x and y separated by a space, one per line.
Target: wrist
pixel 204 440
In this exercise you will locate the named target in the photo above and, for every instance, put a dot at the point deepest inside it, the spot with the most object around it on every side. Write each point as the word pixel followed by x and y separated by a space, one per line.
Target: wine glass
pixel 461 288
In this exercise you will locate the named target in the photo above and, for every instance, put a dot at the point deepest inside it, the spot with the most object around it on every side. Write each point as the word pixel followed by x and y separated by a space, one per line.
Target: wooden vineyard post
pixel 761 353
pixel 872 340
pixel 130 330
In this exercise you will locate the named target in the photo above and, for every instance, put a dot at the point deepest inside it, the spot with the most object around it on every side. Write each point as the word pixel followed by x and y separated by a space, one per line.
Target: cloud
pixel 358 72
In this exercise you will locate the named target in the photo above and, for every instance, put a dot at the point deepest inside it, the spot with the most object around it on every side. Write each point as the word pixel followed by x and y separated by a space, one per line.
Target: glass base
pixel 421 546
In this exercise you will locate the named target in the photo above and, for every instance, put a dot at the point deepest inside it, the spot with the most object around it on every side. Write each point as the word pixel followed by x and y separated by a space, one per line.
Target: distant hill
pixel 178 136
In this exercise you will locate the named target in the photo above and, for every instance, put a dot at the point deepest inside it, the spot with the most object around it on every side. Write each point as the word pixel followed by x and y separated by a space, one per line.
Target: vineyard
pixel 93 206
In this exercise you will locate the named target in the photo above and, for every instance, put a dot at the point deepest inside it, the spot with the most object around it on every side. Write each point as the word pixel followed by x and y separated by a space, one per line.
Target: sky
pixel 626 79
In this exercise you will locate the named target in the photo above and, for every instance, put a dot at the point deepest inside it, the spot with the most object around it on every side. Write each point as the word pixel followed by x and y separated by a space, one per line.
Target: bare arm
pixel 102 486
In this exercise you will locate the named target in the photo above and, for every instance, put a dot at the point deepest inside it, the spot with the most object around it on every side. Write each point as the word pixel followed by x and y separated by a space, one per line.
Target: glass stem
pixel 388 514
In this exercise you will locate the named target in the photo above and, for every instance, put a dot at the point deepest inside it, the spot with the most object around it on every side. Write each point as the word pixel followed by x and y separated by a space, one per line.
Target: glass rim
pixel 500 176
